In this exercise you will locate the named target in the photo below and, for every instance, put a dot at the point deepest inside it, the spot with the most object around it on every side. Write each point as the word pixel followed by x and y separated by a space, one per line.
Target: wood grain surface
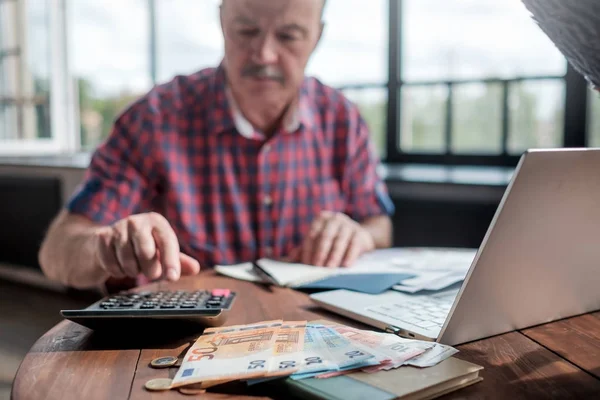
pixel 576 339
pixel 73 362
pixel 517 368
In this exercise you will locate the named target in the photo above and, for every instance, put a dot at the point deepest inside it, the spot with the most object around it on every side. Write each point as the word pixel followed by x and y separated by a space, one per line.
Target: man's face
pixel 268 44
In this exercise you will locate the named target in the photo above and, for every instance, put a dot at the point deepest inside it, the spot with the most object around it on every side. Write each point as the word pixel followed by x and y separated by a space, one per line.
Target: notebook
pixel 373 273
pixel 406 383
pixel 366 279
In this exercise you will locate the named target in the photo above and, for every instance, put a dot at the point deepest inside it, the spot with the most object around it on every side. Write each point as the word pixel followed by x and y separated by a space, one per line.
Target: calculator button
pixel 167 306
pixel 187 306
pixel 147 306
pixel 221 292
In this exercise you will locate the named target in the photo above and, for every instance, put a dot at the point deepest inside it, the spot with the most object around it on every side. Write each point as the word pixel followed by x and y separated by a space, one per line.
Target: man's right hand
pixel 143 244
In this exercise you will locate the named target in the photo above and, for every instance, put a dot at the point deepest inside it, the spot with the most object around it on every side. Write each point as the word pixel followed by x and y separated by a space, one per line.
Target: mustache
pixel 263 71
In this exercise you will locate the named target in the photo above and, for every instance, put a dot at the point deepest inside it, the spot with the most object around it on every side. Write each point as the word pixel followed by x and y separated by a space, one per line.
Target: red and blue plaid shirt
pixel 232 197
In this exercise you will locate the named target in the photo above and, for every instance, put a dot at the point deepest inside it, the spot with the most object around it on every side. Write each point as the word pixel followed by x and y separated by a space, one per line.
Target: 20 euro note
pixel 229 353
pixel 288 353
pixel 388 349
pixel 332 349
pixel 315 355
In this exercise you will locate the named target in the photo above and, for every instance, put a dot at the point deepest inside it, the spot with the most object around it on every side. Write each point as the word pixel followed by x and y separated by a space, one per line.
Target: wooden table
pixel 558 360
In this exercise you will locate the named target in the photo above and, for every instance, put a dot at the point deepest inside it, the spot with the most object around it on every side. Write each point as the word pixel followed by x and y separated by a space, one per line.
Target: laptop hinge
pixel 392 329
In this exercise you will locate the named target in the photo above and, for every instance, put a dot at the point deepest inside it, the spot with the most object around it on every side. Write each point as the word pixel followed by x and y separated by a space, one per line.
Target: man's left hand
pixel 334 240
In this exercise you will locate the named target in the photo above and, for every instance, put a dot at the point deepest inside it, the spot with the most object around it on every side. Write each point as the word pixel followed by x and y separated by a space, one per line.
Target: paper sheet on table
pixel 243 271
pixel 433 267
pixel 433 259
pixel 284 273
pixel 431 281
pixel 297 273
pixel 435 284
pixel 433 356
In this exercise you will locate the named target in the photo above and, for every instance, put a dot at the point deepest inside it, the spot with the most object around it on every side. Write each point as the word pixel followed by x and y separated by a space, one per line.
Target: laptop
pixel 538 262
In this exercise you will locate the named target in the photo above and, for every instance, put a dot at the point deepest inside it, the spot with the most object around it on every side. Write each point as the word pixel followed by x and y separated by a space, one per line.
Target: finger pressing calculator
pixel 199 307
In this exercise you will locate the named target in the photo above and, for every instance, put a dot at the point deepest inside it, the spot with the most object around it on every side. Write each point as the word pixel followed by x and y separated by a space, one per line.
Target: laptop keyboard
pixel 428 313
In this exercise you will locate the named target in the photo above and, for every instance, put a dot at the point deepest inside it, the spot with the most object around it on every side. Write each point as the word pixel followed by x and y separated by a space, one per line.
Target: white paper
pixel 291 274
pixel 242 272
pixel 433 268
pixel 433 356
pixel 430 281
pixel 423 278
pixel 432 259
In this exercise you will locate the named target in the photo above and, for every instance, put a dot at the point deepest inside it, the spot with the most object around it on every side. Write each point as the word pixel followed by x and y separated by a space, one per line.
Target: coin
pixel 191 390
pixel 164 362
pixel 159 384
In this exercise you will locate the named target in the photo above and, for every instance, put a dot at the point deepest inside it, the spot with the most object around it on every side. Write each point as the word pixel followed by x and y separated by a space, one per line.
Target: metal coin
pixel 163 362
pixel 159 384
pixel 191 390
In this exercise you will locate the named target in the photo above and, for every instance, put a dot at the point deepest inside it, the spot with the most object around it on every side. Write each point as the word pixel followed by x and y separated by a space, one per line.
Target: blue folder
pixel 366 283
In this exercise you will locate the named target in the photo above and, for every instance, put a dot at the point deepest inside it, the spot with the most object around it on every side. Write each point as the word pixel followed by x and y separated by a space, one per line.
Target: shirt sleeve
pixel 366 192
pixel 118 181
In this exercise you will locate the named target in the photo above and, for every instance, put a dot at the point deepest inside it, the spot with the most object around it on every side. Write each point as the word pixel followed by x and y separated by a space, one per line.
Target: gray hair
pixel 322 8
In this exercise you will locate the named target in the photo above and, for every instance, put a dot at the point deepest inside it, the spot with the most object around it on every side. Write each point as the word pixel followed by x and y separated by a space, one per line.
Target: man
pixel 246 160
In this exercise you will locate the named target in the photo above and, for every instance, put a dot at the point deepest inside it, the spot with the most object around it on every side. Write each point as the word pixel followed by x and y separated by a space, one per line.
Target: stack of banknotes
pixel 298 349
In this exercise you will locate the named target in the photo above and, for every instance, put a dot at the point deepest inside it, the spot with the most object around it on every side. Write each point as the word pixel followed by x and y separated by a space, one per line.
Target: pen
pixel 264 274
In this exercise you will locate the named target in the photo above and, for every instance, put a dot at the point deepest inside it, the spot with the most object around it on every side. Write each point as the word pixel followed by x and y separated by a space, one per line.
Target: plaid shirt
pixel 232 196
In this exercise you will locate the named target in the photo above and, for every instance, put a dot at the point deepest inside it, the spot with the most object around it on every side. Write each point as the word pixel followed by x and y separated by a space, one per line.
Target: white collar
pixel 245 128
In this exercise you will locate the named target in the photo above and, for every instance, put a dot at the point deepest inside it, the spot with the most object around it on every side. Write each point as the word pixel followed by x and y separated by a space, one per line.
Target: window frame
pixel 575 110
pixel 63 136
pixel 575 121
pixel 66 138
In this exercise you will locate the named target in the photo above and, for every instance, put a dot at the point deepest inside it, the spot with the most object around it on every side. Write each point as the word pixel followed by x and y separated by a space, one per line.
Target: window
pixel 354 32
pixel 536 113
pixel 353 48
pixel 188 37
pixel 110 61
pixel 372 104
pixel 472 87
pixel 437 81
pixel 594 118
pixel 24 73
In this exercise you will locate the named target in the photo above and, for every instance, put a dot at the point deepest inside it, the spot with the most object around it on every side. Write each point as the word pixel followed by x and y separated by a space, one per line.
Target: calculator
pixel 152 309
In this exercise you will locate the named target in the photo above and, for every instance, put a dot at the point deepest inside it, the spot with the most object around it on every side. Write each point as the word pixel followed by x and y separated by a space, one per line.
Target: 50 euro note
pixel 228 353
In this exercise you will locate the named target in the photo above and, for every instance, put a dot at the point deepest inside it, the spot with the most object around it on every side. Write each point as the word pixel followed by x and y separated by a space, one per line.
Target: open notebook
pixel 303 276
pixel 405 269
